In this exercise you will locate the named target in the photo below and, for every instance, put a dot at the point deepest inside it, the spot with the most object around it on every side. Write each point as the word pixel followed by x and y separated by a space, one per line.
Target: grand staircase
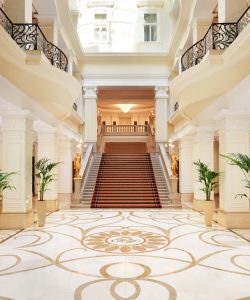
pixel 125 181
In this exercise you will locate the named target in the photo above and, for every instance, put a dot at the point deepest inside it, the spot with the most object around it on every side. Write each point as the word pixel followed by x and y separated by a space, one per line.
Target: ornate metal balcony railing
pixel 31 37
pixel 219 36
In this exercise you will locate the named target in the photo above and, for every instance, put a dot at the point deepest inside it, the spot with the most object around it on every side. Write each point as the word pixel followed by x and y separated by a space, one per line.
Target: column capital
pixel 15 119
pixel 41 127
pixel 161 92
pixel 204 134
pixel 90 92
pixel 237 120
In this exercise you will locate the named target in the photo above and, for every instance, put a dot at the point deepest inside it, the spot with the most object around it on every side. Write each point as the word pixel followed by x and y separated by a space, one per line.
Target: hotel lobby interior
pixel 124 149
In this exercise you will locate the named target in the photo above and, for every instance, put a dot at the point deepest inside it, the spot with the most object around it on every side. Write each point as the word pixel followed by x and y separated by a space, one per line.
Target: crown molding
pixel 150 4
pixel 103 3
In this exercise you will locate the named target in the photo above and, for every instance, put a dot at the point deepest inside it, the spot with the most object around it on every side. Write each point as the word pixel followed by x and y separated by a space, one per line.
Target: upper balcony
pixel 210 68
pixel 37 67
pixel 218 37
pixel 30 37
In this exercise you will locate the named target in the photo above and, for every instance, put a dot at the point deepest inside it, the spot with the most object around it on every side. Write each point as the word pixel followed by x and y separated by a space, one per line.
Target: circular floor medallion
pixel 125 241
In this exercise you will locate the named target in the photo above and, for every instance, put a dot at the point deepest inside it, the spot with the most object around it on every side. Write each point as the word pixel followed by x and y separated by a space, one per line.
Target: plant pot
pixel 41 212
pixel 209 212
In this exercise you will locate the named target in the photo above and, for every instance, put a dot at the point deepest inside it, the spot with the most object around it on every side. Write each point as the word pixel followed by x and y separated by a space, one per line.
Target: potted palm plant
pixel 5 182
pixel 207 178
pixel 243 162
pixel 45 177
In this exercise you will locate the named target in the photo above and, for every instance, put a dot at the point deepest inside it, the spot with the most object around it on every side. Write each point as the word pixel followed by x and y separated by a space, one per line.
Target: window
pixel 101 28
pixel 150 27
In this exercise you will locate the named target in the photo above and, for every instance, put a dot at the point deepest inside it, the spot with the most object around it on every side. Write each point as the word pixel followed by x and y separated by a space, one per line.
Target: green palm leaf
pixel 44 168
pixel 207 178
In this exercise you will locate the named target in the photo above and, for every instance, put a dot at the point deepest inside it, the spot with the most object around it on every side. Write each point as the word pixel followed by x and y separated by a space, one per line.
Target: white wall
pixel 126 32
pixel 140 118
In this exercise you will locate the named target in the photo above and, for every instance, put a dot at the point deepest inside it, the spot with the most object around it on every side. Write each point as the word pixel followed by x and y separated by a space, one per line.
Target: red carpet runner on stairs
pixel 125 181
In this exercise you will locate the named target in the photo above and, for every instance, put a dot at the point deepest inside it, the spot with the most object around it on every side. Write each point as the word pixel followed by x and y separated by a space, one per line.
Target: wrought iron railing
pixel 219 36
pixel 75 106
pixel 31 37
pixel 176 106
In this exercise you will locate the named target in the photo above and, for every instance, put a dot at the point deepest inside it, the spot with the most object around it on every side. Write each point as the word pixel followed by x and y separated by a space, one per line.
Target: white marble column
pixel 90 108
pixel 230 10
pixel 186 168
pixel 203 150
pixel 161 114
pixel 50 27
pixel 233 138
pixel 19 11
pixel 65 156
pixel 47 148
pixel 17 157
pixel 200 28
pixel 70 56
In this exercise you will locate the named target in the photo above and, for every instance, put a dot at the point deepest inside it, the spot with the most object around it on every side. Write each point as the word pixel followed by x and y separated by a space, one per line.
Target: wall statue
pixel 77 165
pixel 174 164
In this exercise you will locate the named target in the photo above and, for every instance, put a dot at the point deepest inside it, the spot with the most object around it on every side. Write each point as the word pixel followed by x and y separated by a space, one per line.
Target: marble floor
pixel 125 255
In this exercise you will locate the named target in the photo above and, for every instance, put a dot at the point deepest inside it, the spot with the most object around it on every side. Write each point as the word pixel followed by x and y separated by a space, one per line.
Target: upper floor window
pixel 150 27
pixel 101 28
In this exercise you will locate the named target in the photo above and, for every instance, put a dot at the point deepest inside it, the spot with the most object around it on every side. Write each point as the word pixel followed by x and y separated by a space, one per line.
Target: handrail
pixel 99 179
pixel 219 36
pixel 30 37
pixel 166 165
pixel 86 159
pixel 153 186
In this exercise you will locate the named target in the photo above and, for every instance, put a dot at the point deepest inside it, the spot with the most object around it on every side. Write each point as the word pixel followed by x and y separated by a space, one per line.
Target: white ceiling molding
pixel 102 3
pixel 150 4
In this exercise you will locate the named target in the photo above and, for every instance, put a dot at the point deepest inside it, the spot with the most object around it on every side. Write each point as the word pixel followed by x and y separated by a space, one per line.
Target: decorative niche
pixel 98 3
pixel 150 4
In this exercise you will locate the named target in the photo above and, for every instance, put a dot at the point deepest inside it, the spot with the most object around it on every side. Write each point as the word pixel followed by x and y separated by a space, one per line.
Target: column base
pixel 234 219
pixel 16 220
pixel 187 197
pixel 64 200
pixel 77 196
pixel 174 184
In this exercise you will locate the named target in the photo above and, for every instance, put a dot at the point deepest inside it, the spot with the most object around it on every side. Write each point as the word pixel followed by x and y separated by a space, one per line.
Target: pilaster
pixel 161 114
pixel 186 168
pixel 65 156
pixel 19 11
pixel 233 138
pixel 230 10
pixel 200 28
pixel 90 108
pixel 17 157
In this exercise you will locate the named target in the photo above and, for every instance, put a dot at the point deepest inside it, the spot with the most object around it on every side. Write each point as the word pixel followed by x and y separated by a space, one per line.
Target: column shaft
pixel 90 101
pixel 161 115
pixel 19 11
pixel 186 168
pixel 17 157
pixel 233 138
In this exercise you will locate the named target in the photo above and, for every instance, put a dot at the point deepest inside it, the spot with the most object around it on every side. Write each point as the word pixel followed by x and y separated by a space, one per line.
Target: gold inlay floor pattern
pixel 125 255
